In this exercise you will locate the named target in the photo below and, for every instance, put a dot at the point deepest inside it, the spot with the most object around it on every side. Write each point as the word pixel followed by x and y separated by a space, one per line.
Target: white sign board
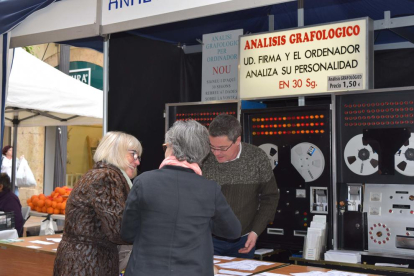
pixel 334 57
pixel 220 63
pixel 115 11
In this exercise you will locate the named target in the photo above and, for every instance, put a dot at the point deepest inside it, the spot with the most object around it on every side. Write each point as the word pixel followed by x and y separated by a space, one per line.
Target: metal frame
pixel 167 108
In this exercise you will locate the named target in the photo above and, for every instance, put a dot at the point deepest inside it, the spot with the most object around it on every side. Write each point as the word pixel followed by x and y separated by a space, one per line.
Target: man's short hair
pixel 225 125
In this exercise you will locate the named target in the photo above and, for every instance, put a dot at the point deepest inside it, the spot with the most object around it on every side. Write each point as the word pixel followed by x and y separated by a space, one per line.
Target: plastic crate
pixel 6 221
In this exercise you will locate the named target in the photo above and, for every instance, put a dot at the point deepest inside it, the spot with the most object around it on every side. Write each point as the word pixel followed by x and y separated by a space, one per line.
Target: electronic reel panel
pixel 297 142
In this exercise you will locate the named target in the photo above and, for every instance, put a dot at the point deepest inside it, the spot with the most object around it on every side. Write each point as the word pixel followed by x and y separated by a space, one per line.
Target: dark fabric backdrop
pixel 394 68
pixel 146 74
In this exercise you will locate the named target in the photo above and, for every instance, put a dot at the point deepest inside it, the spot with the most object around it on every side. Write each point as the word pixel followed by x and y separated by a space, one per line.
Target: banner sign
pixel 326 58
pixel 220 63
pixel 115 11
pixel 83 75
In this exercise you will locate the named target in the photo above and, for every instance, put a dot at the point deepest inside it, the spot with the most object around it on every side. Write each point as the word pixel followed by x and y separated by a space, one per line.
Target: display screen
pixel 401 192
pixel 399 206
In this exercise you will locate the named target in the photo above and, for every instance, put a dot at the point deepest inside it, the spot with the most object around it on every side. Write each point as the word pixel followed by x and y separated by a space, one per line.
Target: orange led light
pixel 316 131
pixel 289 125
pixel 321 116
pixel 316 116
pixel 302 131
pixel 254 133
pixel 307 131
pixel 322 131
pixel 279 132
pixel 254 120
pixel 293 132
pixel 284 118
pixel 311 124
pixel 262 126
pixel 271 132
pixel 267 133
pixel 262 119
pixel 311 117
pixel 284 125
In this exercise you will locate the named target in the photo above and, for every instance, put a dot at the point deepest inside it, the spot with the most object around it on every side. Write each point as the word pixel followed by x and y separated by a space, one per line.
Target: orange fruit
pixel 42 197
pixel 52 194
pixel 54 204
pixel 49 210
pixel 41 203
pixel 31 206
pixel 64 205
pixel 48 202
pixel 59 206
pixel 59 199
pixel 63 212
pixel 38 209
pixel 62 191
pixel 44 209
pixel 35 201
pixel 56 211
pixel 29 201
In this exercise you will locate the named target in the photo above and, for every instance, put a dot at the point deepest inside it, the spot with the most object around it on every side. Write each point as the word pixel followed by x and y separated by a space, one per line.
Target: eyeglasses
pixel 135 155
pixel 164 147
pixel 222 148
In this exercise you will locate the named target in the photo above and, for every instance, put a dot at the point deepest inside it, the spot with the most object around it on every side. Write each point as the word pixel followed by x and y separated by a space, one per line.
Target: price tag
pixel 345 82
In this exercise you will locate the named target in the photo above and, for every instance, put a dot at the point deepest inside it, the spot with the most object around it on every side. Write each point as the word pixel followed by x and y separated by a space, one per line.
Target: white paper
pixel 262 251
pixel 328 273
pixel 392 265
pixel 215 261
pixel 270 274
pixel 42 242
pixel 54 239
pixel 33 246
pixel 224 257
pixel 244 265
pixel 231 272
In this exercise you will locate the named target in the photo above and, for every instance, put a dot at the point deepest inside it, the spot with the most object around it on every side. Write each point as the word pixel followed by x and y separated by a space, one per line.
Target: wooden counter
pixel 287 270
pixel 17 259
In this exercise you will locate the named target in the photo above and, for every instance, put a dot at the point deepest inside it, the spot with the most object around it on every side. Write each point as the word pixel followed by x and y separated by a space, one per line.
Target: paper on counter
pixel 231 272
pixel 244 265
pixel 216 261
pixel 262 251
pixel 270 274
pixel 392 265
pixel 223 257
pixel 42 242
pixel 33 246
pixel 54 239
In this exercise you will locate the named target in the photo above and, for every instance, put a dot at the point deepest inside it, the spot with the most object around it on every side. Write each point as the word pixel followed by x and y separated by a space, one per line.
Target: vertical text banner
pixel 220 62
pixel 115 11
pixel 334 57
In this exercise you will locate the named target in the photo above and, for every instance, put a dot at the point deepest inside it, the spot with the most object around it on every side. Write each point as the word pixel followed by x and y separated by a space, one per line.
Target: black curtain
pixel 394 68
pixel 144 76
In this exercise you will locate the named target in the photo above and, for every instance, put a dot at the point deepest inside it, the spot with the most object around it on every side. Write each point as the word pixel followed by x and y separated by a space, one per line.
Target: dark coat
pixel 9 202
pixel 93 223
pixel 169 216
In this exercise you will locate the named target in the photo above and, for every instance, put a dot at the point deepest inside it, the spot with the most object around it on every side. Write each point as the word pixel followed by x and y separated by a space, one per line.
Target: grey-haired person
pixel 247 181
pixel 172 212
pixel 95 207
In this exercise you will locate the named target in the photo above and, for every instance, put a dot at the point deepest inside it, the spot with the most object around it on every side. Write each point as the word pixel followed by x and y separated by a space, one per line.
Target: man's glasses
pixel 221 148
pixel 135 155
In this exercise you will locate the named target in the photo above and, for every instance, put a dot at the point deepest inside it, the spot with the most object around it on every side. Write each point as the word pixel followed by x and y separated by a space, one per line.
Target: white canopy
pixel 43 96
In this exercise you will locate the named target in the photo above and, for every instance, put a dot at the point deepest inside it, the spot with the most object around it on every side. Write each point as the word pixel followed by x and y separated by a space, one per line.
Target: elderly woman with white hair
pixel 95 207
pixel 172 212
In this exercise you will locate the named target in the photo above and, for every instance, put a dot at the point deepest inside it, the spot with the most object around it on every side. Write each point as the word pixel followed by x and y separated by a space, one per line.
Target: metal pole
pixel 105 85
pixel 13 172
pixel 271 22
pixel 334 170
pixel 301 23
